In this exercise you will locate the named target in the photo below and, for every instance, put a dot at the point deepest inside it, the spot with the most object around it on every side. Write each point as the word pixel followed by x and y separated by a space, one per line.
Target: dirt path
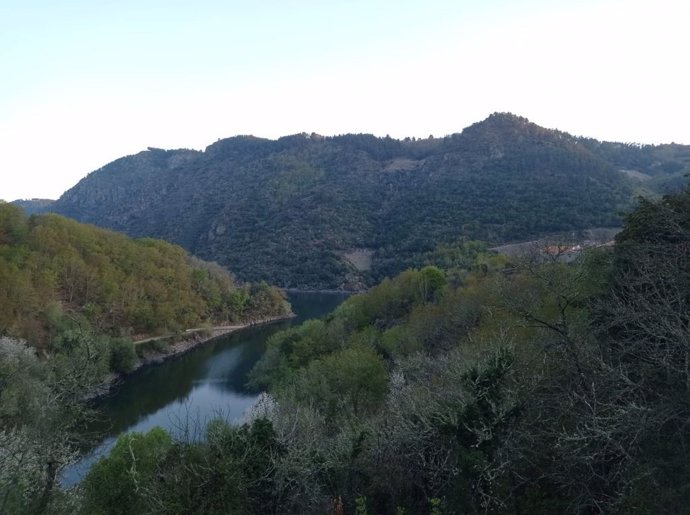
pixel 216 331
pixel 190 339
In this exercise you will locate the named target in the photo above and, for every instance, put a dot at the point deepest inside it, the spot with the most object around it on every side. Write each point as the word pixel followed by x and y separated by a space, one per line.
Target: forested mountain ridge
pixel 33 205
pixel 73 297
pixel 519 385
pixel 293 210
pixel 59 275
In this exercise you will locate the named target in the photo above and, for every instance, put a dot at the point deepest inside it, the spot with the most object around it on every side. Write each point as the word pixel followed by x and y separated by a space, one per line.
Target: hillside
pixel 531 385
pixel 59 276
pixel 34 205
pixel 308 211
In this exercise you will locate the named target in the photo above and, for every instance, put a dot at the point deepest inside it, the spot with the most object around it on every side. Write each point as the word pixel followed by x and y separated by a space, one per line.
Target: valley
pixel 516 343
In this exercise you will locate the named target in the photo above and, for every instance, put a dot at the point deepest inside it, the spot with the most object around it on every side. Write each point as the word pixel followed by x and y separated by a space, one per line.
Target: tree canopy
pixel 56 273
pixel 290 211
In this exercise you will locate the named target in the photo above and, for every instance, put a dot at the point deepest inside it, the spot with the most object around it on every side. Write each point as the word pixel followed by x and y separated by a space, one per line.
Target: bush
pixel 118 482
pixel 123 356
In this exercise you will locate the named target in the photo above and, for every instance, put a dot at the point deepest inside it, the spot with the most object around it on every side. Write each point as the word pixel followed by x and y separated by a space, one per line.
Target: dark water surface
pixel 183 394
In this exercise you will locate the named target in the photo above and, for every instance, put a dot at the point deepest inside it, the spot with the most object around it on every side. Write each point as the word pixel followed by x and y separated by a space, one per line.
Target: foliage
pixel 354 378
pixel 289 211
pixel 118 483
pixel 62 280
pixel 228 473
pixel 644 317
pixel 40 412
pixel 123 356
pixel 368 424
pixel 530 385
pixel 561 388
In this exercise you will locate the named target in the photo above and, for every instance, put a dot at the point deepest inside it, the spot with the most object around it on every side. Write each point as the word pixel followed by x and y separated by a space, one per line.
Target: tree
pixel 39 417
pixel 120 482
pixel 353 380
pixel 231 472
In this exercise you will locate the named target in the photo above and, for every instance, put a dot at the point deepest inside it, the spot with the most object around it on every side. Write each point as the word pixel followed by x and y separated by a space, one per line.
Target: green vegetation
pixel 229 473
pixel 288 211
pixel 41 412
pixel 487 385
pixel 77 295
pixel 64 281
pixel 530 386
pixel 113 484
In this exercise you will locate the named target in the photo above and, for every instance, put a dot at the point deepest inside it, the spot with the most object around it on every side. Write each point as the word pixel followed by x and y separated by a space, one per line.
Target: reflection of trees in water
pixel 224 362
pixel 158 386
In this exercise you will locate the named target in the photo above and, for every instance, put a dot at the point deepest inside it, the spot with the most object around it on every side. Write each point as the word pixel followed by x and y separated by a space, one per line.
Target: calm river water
pixel 182 394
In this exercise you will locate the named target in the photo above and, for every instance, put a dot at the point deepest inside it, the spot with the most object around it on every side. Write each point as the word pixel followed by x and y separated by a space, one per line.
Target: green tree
pixel 120 482
pixel 354 379
pixel 39 418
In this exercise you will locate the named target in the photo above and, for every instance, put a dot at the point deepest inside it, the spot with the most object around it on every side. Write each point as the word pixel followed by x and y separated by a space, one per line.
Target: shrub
pixel 123 356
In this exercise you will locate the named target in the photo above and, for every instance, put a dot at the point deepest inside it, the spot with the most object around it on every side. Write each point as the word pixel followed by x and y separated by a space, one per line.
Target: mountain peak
pixel 506 117
pixel 290 210
pixel 506 129
pixel 503 122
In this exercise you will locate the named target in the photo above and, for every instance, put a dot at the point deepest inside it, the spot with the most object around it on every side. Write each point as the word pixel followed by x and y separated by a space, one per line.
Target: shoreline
pixel 191 339
pixel 303 290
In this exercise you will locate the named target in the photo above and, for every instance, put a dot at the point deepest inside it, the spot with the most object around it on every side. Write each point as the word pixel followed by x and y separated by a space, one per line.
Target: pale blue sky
pixel 86 82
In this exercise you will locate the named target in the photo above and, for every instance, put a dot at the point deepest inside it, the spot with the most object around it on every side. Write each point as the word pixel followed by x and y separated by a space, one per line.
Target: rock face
pixel 289 210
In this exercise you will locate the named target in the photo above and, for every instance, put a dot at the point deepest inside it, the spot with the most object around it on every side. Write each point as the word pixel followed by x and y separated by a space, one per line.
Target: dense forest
pixel 64 282
pixel 72 300
pixel 529 384
pixel 307 211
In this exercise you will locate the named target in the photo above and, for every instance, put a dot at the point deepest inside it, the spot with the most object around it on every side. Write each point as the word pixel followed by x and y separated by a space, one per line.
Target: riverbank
pixel 316 290
pixel 189 340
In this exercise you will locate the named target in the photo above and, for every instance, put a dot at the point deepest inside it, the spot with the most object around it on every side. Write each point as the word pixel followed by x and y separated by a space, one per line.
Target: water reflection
pixel 183 394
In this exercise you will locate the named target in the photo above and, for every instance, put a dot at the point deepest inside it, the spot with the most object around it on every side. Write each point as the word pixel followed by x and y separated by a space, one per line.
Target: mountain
pixel 309 211
pixel 33 205
pixel 535 387
pixel 55 271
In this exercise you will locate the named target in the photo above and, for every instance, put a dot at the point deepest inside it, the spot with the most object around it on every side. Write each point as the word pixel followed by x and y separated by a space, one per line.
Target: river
pixel 183 394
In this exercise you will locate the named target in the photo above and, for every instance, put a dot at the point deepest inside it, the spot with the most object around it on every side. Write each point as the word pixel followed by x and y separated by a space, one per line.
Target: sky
pixel 85 82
